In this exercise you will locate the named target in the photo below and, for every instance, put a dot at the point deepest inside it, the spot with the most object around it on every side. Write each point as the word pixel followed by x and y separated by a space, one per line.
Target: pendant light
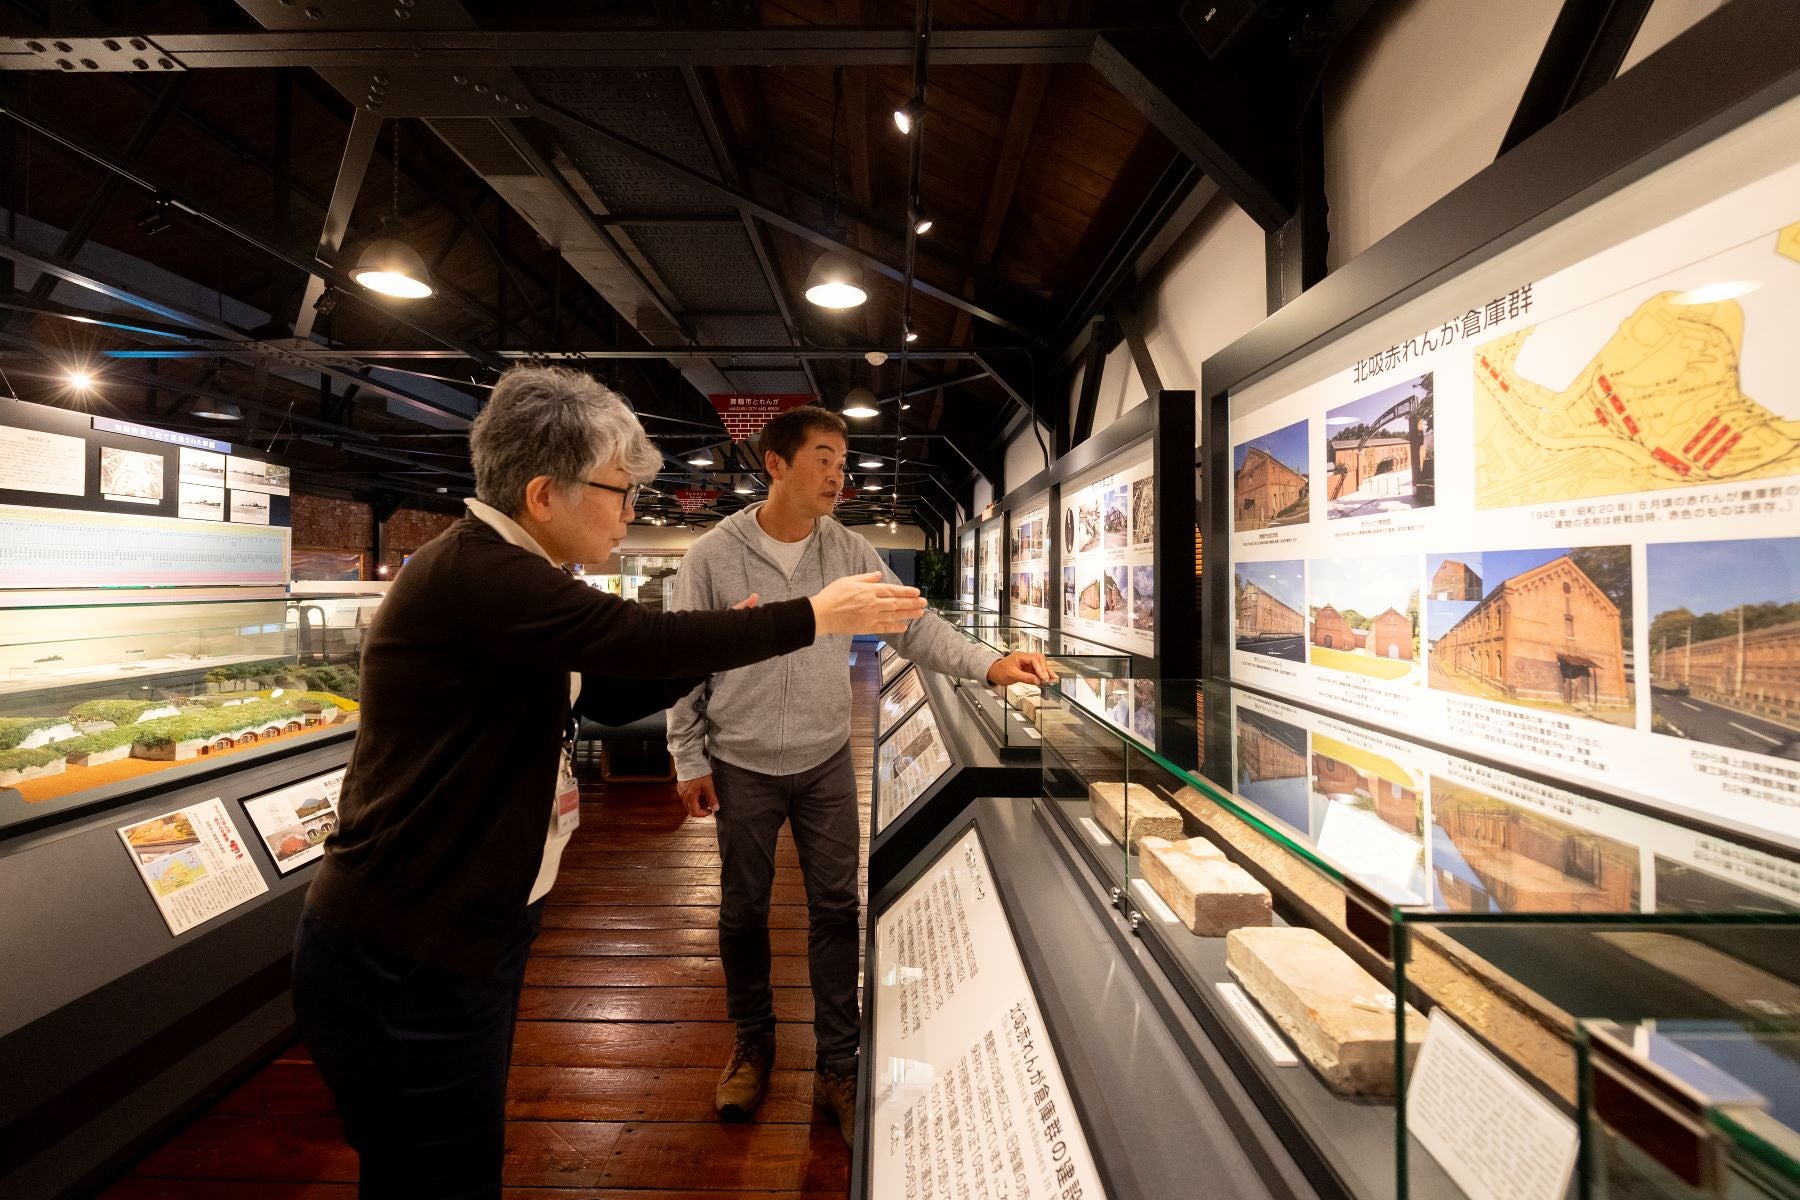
pixel 860 403
pixel 836 281
pixel 388 264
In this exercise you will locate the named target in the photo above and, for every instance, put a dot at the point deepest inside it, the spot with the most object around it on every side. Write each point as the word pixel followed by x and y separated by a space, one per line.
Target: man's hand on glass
pixel 1021 667
pixel 698 796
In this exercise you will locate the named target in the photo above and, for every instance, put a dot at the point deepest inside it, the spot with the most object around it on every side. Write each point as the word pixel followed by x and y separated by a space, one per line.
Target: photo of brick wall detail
pixel 1269 485
pixel 1724 643
pixel 1547 629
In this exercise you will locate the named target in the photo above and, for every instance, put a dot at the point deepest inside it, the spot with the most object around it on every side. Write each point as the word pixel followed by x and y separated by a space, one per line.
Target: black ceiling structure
pixel 636 190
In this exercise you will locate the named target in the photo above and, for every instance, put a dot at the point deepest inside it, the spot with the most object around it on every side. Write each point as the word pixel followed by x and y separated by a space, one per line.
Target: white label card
pixel 194 863
pixel 1257 1024
pixel 1489 1130
pixel 1152 903
pixel 35 461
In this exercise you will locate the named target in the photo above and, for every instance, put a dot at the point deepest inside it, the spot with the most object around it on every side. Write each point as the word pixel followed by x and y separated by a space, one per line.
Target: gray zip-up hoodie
pixel 788 714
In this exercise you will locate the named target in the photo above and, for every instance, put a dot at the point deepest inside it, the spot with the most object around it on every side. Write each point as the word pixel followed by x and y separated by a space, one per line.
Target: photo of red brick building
pixel 1455 580
pixel 1546 635
pixel 1391 635
pixel 1332 631
pixel 1261 615
pixel 1264 489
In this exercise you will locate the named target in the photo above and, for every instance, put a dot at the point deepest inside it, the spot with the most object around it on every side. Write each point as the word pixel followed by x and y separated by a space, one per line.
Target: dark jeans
pixel 416 1058
pixel 820 804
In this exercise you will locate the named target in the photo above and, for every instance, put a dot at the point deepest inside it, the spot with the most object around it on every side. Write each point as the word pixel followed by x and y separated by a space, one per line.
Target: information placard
pixel 992 575
pixel 194 862
pixel 968 1097
pixel 1489 1130
pixel 965 569
pixel 1108 531
pixel 57 548
pixel 1028 586
pixel 1555 526
pixel 293 822
pixel 911 759
pixel 906 694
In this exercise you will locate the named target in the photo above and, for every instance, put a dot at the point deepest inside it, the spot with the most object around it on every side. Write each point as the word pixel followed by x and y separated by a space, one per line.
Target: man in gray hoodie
pixel 771 743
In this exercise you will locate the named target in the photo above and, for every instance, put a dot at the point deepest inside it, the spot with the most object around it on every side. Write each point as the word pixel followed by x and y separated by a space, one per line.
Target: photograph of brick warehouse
pixel 1724 643
pixel 1364 616
pixel 1269 480
pixel 1271 598
pixel 1552 630
pixel 1271 769
pixel 1378 451
pixel 1490 854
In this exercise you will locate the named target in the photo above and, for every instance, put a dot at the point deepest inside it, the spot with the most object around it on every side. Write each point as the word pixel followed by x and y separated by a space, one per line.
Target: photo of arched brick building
pixel 1390 635
pixel 1545 635
pixel 1332 631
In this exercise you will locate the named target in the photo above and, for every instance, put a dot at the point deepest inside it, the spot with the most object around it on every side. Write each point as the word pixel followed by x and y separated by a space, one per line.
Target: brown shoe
pixel 835 1092
pixel 746 1078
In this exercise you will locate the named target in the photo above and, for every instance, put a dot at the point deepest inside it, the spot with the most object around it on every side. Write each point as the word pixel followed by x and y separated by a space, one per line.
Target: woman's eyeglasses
pixel 630 493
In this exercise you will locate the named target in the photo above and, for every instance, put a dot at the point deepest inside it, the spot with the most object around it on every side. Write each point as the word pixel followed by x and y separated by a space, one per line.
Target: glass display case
pixel 1089 669
pixel 1390 941
pixel 98 692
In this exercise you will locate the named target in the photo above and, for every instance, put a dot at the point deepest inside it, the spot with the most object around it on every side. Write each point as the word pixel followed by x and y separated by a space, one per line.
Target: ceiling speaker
pixel 1215 22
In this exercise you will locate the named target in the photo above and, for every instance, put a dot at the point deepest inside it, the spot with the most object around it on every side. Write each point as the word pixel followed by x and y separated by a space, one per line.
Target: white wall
pixel 1664 21
pixel 1416 102
pixel 984 495
pixel 1025 456
pixel 1206 294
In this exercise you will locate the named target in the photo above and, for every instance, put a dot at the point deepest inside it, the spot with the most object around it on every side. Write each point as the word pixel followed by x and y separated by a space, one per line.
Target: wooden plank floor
pixel 621 1037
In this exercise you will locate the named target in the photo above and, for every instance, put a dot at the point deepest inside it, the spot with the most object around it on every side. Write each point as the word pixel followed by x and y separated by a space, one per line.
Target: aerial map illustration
pixel 1661 404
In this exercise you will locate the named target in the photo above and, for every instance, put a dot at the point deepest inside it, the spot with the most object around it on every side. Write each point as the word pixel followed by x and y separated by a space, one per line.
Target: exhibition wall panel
pixel 1536 504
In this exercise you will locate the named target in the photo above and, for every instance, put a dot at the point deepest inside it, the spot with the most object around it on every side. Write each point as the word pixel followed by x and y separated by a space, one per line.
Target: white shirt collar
pixel 506 527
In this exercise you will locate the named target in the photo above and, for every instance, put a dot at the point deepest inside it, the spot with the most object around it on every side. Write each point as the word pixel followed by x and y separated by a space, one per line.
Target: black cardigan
pixel 465 702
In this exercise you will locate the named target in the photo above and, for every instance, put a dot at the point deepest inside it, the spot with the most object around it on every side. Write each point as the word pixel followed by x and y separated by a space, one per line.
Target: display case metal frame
pixel 976 769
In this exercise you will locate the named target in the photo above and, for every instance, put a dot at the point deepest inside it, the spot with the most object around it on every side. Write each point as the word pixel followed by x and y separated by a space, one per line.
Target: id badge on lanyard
pixel 568 798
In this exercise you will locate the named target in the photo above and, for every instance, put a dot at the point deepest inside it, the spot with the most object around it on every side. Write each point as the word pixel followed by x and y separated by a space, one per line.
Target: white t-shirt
pixel 786 554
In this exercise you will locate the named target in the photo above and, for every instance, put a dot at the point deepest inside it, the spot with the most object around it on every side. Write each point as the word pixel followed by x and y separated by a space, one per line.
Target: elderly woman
pixel 459 796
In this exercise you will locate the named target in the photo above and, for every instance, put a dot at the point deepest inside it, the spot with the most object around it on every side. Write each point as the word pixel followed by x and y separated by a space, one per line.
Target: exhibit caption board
pixel 1554 524
pixel 908 761
pixel 965 569
pixel 992 569
pixel 1108 533
pixel 968 1098
pixel 1028 585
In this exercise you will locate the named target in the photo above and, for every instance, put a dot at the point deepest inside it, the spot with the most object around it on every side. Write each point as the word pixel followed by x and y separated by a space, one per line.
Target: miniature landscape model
pixel 55 754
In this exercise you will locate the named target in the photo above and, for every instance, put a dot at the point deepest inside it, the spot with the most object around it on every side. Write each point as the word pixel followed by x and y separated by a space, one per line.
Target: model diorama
pixel 105 740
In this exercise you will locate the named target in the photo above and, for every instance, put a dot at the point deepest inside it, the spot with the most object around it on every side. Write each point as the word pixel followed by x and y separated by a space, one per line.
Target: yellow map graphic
pixel 1658 407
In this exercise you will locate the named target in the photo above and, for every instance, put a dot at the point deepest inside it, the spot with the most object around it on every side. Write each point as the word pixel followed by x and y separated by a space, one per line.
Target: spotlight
pixel 871 487
pixel 81 381
pixel 921 223
pixel 861 402
pixel 908 115
pixel 836 282
pixel 700 458
pixel 743 489
pixel 869 464
pixel 912 335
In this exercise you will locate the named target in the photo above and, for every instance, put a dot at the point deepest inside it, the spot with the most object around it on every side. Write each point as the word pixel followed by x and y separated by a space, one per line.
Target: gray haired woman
pixel 460 797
